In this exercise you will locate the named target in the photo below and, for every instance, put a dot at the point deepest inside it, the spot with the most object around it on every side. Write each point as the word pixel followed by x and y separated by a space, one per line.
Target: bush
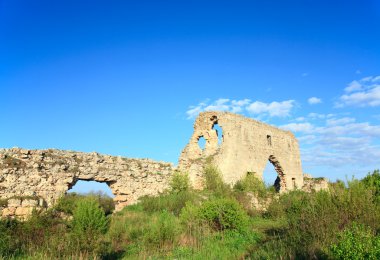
pixel 179 182
pixel 173 202
pixel 163 231
pixel 372 182
pixel 250 183
pixel 68 203
pixel 214 182
pixel 89 218
pixel 8 244
pixel 223 214
pixel 356 242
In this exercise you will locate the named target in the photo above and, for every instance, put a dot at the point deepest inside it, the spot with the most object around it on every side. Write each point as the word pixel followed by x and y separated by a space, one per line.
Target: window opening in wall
pixel 294 182
pixel 219 132
pixel 269 140
pixel 99 191
pixel 202 142
pixel 91 187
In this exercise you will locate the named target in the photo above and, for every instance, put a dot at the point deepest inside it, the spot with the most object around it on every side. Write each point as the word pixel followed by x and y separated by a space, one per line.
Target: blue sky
pixel 127 77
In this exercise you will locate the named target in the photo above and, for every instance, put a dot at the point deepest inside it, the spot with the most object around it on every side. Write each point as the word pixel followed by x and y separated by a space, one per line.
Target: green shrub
pixel 356 242
pixel 172 202
pixel 250 183
pixel 214 182
pixel 314 219
pixel 372 181
pixel 68 202
pixel 179 182
pixel 163 230
pixel 224 214
pixel 89 218
pixel 8 244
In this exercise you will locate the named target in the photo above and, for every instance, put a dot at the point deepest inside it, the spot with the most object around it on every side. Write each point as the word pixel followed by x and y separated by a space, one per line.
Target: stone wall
pixel 37 178
pixel 48 174
pixel 247 145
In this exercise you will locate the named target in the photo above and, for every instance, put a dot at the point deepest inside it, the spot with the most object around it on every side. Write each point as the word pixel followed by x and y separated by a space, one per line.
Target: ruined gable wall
pixel 48 174
pixel 247 146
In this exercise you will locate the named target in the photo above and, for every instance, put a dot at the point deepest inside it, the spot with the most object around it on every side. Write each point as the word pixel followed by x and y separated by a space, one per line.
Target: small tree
pixel 214 181
pixel 179 182
pixel 89 218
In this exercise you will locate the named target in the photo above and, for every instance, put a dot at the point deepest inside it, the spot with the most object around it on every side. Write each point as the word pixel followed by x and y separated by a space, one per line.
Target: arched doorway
pixel 274 174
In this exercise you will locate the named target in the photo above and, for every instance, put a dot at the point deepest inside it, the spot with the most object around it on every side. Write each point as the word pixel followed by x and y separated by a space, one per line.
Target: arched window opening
pixel 91 187
pixel 219 132
pixel 99 191
pixel 202 142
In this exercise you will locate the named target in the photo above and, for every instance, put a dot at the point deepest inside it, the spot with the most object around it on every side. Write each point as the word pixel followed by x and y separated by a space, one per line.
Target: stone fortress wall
pixel 38 178
pixel 247 146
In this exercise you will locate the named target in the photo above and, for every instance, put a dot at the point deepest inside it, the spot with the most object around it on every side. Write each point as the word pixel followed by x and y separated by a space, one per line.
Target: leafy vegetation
pixel 217 223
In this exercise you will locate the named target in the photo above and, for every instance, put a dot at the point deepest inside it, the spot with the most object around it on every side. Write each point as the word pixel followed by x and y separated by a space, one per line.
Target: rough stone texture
pixel 37 178
pixel 314 184
pixel 246 147
pixel 28 175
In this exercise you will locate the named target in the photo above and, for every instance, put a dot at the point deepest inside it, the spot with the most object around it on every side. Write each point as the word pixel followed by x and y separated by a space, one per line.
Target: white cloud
pixel 314 100
pixel 362 93
pixel 300 119
pixel 353 86
pixel 273 109
pixel 340 121
pixel 339 142
pixel 370 97
pixel 298 127
pixel 319 116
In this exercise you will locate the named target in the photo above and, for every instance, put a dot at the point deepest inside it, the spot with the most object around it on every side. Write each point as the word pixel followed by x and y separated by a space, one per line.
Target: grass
pixel 209 224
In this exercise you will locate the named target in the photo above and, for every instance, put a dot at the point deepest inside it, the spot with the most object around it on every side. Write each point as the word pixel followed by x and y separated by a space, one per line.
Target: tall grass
pixel 342 223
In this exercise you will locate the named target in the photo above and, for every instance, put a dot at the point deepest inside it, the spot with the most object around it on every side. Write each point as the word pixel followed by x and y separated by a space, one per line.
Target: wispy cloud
pixel 338 142
pixel 314 100
pixel 361 93
pixel 273 109
pixel 298 127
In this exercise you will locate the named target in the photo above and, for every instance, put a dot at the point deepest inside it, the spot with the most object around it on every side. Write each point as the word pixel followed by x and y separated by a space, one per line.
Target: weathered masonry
pixel 37 178
pixel 246 145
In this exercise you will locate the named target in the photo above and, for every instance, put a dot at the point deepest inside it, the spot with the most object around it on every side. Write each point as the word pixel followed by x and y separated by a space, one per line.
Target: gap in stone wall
pixel 270 175
pixel 85 187
pixel 202 142
pixel 219 132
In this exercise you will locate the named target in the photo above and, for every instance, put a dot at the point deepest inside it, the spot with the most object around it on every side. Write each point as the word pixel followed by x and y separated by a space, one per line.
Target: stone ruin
pixel 38 178
pixel 246 146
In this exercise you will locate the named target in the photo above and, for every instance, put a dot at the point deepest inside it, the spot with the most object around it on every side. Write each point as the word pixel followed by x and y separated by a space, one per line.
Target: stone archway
pixel 280 183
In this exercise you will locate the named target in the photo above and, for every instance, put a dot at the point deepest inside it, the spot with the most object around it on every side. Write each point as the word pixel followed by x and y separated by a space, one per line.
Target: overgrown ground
pixel 217 223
